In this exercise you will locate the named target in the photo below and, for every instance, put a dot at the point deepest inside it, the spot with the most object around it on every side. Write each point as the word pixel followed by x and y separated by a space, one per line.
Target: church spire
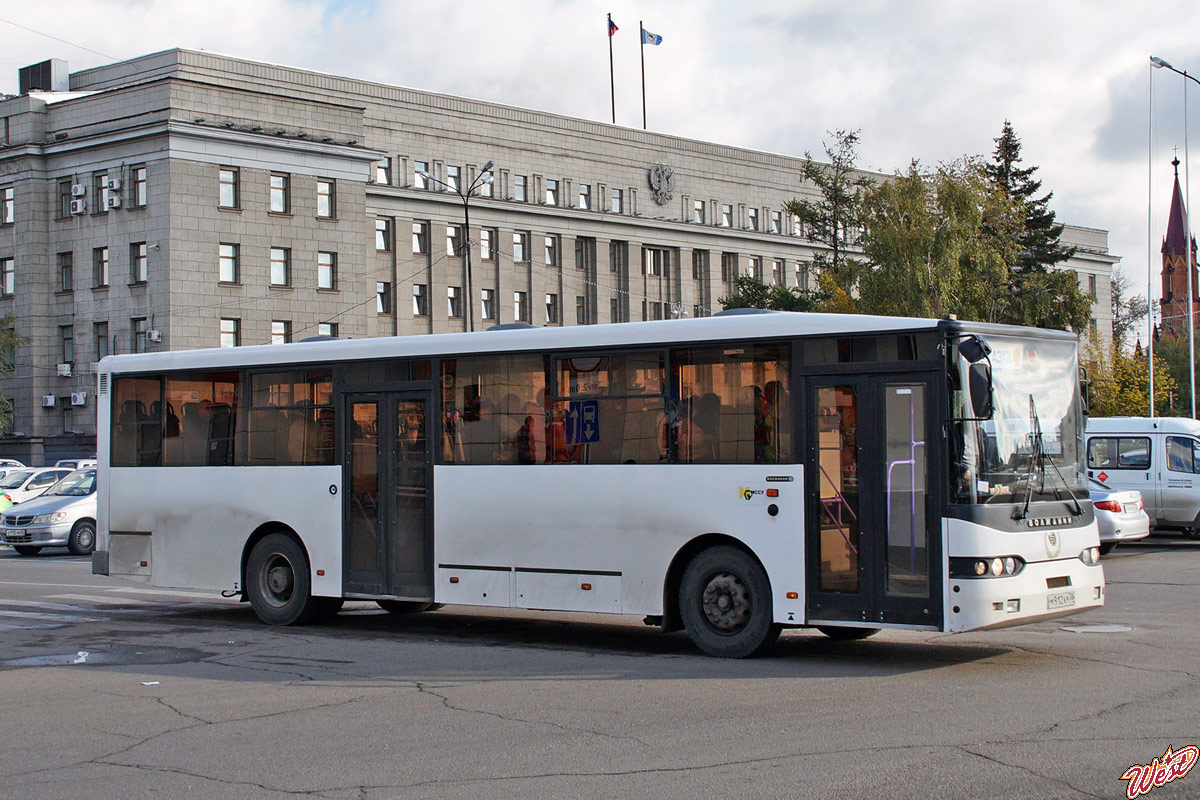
pixel 1176 241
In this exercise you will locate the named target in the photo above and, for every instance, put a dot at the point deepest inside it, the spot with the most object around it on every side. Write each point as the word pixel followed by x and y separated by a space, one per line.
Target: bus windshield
pixel 1031 448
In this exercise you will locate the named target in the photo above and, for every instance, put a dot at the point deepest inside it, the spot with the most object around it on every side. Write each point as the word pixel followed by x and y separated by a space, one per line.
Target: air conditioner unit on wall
pixel 64 370
pixel 49 401
pixel 78 189
pixel 154 336
pixel 78 398
pixel 113 202
pixel 114 184
pixel 79 206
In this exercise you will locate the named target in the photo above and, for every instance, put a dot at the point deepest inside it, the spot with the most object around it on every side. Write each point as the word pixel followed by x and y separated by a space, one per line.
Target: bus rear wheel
pixel 278 582
pixel 725 603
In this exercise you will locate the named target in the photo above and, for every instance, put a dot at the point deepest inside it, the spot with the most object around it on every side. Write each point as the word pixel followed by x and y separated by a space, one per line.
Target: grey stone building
pixel 184 199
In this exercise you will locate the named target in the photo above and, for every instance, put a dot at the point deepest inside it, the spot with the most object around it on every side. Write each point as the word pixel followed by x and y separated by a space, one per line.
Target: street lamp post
pixel 482 179
pixel 1187 228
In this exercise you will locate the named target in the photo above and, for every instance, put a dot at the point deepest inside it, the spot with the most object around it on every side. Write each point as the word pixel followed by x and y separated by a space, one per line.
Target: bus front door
pixel 873 544
pixel 387 544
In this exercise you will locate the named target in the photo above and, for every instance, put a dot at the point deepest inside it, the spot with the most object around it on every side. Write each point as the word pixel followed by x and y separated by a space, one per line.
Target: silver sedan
pixel 1121 515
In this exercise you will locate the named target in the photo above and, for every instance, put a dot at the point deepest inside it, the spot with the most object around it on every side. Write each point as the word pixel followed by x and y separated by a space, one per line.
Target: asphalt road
pixel 110 689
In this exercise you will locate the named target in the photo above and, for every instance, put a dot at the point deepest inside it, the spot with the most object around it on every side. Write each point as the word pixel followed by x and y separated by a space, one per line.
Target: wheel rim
pixel 86 538
pixel 278 580
pixel 726 602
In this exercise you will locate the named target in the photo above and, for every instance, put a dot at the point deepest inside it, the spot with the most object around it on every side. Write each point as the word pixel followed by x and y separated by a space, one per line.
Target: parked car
pixel 24 484
pixel 6 463
pixel 64 516
pixel 1157 456
pixel 1120 514
pixel 75 463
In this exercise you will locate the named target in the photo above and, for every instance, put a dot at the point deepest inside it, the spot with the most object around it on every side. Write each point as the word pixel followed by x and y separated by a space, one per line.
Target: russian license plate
pixel 1131 508
pixel 15 533
pixel 1060 600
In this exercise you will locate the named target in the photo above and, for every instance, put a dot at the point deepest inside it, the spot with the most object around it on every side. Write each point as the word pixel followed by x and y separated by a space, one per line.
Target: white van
pixel 1160 457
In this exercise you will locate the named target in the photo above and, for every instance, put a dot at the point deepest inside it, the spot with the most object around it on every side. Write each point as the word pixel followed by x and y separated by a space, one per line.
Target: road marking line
pixel 100 599
pixel 169 593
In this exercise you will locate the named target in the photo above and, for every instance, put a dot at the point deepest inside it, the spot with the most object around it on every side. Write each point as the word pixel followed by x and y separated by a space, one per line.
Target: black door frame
pixel 871 604
pixel 379 583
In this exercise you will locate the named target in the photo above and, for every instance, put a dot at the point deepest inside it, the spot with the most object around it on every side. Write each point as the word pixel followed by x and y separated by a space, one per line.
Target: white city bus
pixel 731 476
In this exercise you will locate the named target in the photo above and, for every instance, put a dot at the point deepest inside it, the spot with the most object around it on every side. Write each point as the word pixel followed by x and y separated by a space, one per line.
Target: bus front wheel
pixel 278 583
pixel 725 603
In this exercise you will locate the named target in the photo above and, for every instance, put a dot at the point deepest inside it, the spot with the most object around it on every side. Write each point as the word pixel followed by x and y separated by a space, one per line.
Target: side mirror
pixel 979 380
pixel 1084 387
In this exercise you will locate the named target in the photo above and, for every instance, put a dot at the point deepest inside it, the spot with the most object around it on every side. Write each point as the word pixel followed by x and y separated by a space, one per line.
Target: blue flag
pixel 650 38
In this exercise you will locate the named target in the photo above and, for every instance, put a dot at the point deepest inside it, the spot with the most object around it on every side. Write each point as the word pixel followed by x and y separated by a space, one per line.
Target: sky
pixel 931 80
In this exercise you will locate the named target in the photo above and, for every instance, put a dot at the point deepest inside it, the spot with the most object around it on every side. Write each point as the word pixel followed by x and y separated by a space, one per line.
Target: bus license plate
pixel 1060 600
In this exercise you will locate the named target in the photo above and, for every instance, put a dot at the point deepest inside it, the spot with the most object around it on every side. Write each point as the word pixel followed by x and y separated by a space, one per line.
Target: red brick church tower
pixel 1174 266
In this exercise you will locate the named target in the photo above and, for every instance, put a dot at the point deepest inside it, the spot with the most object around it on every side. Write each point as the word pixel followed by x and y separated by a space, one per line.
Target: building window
pixel 140 194
pixel 453 240
pixel 656 261
pixel 1092 326
pixel 138 334
pixel 551 309
pixel 281 331
pixel 66 334
pixel 728 267
pixel 327 329
pixel 726 216
pixel 326 199
pixel 752 218
pixel 698 211
pixel 100 334
pixel 326 270
pixel 699 265
pixel 614 310
pixel 453 302
pixel 139 263
pixel 616 202
pixel 618 256
pixel 551 251
pixel 487 299
pixel 231 332
pixel 485 188
pixel 1091 284
pixel 8 278
pixel 383 235
pixel 580 310
pixel 776 222
pixel 281 201
pixel 66 272
pixel 585 196
pixel 8 207
pixel 383 297
pixel 454 178
pixel 100 267
pixel 227 263
pixel 755 268
pixel 420 170
pixel 777 272
pixel 64 198
pixel 520 248
pixel 551 192
pixel 485 244
pixel 383 171
pixel 521 306
pixel 100 193
pixel 420 300
pixel 797 225
pixel 519 188
pixel 228 194
pixel 281 266
pixel 420 239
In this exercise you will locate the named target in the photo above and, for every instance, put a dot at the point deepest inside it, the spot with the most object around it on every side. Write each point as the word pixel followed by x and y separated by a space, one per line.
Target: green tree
pixel 750 292
pixel 929 252
pixel 1171 359
pixel 1039 295
pixel 835 219
pixel 1120 381
pixel 9 340
pixel 1128 309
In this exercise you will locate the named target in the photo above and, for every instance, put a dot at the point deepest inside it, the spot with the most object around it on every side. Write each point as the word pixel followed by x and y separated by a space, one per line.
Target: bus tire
pixel 725 603
pixel 82 540
pixel 841 634
pixel 27 549
pixel 1107 547
pixel 406 606
pixel 278 583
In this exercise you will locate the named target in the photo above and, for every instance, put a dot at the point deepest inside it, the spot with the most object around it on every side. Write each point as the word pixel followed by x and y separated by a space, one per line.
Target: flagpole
pixel 642 37
pixel 612 86
pixel 1150 236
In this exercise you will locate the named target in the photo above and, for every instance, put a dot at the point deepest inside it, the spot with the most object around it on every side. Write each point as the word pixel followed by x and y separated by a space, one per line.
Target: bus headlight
pixel 981 568
pixel 996 567
pixel 46 519
pixel 1090 556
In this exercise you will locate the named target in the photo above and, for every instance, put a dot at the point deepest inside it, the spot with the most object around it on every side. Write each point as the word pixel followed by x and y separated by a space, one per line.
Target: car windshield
pixel 78 484
pixel 1031 446
pixel 14 479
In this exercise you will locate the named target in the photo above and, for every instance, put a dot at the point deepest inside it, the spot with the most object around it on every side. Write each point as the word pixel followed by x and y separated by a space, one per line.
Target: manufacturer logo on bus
pixel 746 493
pixel 1053 544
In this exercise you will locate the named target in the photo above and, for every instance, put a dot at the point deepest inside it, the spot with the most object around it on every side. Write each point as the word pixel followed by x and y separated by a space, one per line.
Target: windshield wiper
pixel 1037 461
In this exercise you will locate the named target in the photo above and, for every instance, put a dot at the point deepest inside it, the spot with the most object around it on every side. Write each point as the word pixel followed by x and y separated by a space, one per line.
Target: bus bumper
pixel 1041 590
